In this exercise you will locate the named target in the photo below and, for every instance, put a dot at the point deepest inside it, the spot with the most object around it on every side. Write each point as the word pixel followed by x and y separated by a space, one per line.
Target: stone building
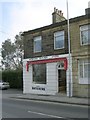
pixel 80 44
pixel 45 64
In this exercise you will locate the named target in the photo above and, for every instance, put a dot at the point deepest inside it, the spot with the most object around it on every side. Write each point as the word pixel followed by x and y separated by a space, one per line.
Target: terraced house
pixel 80 50
pixel 45 64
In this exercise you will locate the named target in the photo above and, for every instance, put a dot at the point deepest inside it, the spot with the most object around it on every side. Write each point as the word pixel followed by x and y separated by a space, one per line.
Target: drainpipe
pixel 69 51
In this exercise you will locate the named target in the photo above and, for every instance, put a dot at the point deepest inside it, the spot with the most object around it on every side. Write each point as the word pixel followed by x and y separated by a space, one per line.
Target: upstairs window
pixel 37 44
pixel 59 40
pixel 85 34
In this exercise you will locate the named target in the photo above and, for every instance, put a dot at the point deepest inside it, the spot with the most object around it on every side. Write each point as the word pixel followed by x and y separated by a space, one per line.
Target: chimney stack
pixel 87 11
pixel 57 16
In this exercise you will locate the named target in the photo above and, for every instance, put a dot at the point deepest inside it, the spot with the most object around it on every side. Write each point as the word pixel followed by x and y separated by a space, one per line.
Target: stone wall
pixel 47 43
pixel 78 52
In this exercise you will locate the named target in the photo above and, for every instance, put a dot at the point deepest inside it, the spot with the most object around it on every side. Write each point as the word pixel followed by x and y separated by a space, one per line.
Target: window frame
pixel 38 38
pixel 59 34
pixel 40 70
pixel 83 80
pixel 82 29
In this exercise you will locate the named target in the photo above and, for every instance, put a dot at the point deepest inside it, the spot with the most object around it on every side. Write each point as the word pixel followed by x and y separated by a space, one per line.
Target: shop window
pixel 39 73
pixel 59 40
pixel 37 44
pixel 85 34
pixel 84 71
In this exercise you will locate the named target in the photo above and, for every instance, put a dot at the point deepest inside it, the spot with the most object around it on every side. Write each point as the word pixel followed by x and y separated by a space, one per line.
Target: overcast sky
pixel 24 15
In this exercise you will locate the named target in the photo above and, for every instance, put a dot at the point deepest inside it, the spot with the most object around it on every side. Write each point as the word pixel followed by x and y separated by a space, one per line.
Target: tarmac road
pixel 18 108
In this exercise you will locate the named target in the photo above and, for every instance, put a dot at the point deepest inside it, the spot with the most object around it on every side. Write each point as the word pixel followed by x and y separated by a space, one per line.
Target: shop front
pixel 46 75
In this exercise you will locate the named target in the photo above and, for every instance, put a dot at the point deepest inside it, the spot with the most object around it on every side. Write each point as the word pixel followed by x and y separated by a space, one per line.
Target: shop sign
pixel 49 59
pixel 44 58
pixel 38 88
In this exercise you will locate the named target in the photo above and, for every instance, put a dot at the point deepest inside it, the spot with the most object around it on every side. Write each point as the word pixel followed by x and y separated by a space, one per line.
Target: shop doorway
pixel 61 81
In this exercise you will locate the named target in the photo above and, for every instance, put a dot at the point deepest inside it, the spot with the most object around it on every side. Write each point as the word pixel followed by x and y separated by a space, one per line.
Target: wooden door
pixel 61 80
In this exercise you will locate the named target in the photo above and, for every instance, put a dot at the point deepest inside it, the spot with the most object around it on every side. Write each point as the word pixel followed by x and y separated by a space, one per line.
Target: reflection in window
pixel 81 71
pixel 59 40
pixel 39 73
pixel 37 44
pixel 85 34
pixel 84 69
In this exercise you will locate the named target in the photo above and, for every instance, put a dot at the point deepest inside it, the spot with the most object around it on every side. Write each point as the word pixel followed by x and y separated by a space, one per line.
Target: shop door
pixel 61 81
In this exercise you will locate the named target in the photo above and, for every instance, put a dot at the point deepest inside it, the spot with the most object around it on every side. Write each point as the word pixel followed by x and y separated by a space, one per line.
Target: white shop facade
pixel 47 75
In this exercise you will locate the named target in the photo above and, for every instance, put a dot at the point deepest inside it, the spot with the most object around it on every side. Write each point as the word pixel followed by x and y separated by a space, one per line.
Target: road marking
pixel 39 113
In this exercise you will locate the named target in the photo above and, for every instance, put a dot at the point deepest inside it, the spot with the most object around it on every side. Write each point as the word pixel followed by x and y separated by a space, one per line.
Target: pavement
pixel 59 98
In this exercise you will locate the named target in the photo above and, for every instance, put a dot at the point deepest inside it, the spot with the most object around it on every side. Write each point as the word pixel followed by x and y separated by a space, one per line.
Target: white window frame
pixel 58 34
pixel 83 80
pixel 84 28
pixel 38 38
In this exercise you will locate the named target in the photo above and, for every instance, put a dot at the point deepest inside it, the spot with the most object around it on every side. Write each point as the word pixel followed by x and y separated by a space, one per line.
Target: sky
pixel 23 15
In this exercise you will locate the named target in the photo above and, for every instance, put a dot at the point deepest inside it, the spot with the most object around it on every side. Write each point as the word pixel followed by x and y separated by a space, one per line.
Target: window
pixel 60 65
pixel 59 40
pixel 85 34
pixel 37 44
pixel 39 73
pixel 84 71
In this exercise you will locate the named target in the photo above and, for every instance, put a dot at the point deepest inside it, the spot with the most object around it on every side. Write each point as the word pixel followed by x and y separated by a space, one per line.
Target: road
pixel 15 108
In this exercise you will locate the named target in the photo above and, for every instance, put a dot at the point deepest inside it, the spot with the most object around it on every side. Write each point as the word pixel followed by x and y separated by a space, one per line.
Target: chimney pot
pixel 60 12
pixel 57 16
pixel 54 9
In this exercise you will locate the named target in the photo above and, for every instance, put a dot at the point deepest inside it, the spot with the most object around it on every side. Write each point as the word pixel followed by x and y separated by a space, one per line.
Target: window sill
pixel 58 48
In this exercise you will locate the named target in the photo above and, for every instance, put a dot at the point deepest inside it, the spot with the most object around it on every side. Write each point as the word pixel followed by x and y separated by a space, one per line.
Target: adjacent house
pixel 45 64
pixel 80 45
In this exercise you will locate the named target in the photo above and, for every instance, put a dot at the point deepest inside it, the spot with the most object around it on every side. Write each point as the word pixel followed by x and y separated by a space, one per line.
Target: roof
pixel 76 19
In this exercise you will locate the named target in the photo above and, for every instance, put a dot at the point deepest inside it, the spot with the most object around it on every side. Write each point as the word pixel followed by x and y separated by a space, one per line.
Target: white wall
pixel 50 87
pixel 68 78
pixel 52 79
pixel 27 78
